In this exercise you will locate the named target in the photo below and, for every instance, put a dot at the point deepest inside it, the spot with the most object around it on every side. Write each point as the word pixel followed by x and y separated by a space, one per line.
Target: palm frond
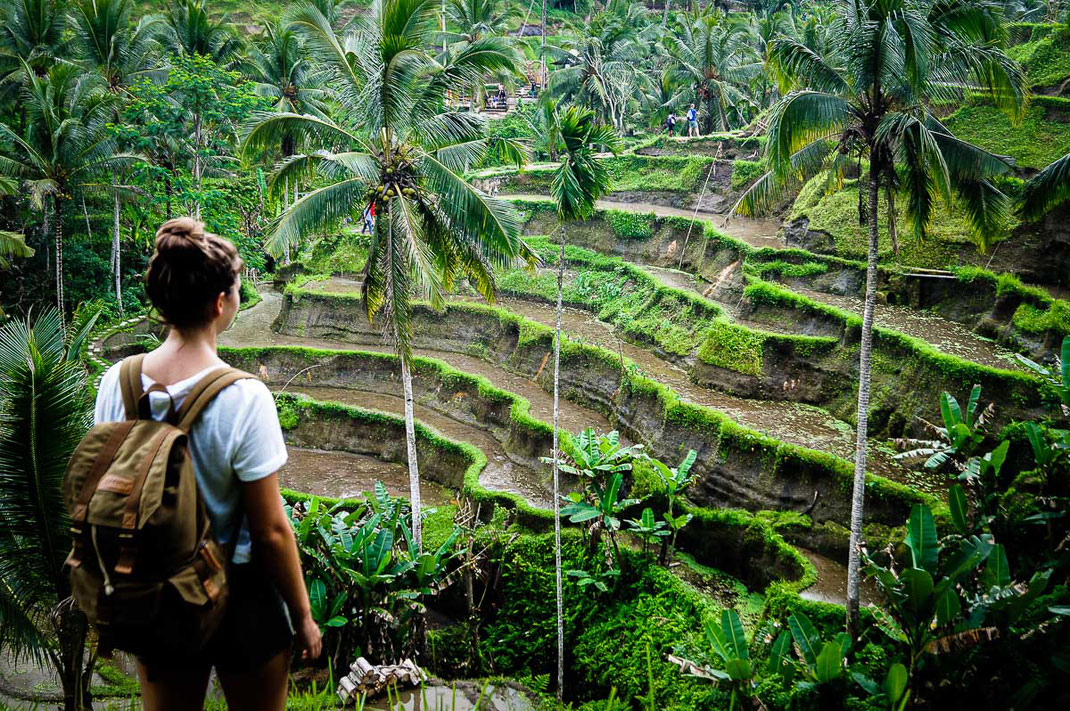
pixel 1050 187
pixel 43 415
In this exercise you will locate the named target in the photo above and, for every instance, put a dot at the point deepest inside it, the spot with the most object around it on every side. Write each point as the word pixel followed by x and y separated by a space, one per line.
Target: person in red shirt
pixel 369 216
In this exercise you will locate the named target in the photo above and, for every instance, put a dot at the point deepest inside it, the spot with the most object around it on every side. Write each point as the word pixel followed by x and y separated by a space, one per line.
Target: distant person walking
pixel 369 215
pixel 692 122
pixel 670 124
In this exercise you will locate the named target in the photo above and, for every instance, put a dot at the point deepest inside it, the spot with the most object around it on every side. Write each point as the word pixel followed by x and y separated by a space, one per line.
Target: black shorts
pixel 255 628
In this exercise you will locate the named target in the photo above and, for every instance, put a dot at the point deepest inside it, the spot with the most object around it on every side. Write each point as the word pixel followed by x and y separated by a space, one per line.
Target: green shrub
pixel 1034 142
pixel 745 172
pixel 1045 56
pixel 1033 320
pixel 733 347
pixel 629 225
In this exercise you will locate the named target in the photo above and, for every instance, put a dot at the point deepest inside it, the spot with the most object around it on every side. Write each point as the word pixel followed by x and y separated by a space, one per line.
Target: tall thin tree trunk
pixel 557 486
pixel 58 233
pixel 410 449
pixel 893 230
pixel 285 199
pixel 116 256
pixel 197 165
pixel 864 366
pixel 543 79
pixel 167 190
pixel 76 673
pixel 88 227
pixel 665 14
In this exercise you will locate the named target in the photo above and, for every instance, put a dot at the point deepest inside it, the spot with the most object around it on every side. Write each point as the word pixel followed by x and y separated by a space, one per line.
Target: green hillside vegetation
pixel 836 213
pixel 1042 136
pixel 1046 56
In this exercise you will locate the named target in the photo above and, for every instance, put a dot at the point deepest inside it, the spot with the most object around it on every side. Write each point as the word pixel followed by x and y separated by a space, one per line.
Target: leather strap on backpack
pixel 130 383
pixel 203 393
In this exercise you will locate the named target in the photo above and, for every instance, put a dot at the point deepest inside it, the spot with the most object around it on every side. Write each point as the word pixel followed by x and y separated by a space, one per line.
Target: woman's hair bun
pixel 182 237
pixel 188 271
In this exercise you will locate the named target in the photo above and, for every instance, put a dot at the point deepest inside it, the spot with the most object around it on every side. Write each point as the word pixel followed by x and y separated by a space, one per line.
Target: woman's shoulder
pixel 246 392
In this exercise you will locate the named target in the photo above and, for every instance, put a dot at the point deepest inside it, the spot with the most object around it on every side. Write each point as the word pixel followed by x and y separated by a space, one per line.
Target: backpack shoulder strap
pixel 130 383
pixel 207 388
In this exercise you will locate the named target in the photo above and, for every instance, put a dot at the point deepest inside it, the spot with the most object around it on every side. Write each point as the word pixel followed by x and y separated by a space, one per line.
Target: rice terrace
pixel 626 355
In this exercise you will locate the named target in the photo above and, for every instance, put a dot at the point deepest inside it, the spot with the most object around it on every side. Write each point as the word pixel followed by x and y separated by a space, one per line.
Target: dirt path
pixel 795 423
pixel 757 232
pixel 942 334
pixel 345 475
pixel 502 473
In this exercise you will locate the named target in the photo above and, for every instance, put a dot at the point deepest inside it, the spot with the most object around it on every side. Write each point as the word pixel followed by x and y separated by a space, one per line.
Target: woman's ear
pixel 220 303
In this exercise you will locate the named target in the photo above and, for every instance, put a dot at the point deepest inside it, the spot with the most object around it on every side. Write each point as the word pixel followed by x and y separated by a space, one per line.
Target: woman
pixel 236 445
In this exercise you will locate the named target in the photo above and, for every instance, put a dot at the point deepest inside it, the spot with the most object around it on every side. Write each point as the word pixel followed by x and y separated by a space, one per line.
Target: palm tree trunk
pixel 665 14
pixel 75 671
pixel 197 165
pixel 116 257
pixel 893 231
pixel 864 367
pixel 542 79
pixel 58 234
pixel 410 450
pixel 557 494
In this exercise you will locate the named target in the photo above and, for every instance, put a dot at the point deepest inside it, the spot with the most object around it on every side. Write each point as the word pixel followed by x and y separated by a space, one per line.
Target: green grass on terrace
pixel 1042 136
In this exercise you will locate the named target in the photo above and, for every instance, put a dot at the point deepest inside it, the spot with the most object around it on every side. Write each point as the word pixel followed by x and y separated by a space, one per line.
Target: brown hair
pixel 188 271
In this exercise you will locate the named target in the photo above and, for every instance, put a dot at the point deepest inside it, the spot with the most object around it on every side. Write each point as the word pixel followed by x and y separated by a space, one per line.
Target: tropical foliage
pixel 44 412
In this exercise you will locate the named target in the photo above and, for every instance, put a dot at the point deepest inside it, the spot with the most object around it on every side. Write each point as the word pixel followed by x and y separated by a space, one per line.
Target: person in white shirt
pixel 193 281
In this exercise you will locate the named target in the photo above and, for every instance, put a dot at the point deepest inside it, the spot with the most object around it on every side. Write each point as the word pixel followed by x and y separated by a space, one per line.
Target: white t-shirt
pixel 237 438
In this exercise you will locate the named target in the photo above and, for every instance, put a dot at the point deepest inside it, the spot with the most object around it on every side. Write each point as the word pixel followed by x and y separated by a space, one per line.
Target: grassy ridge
pixel 722 435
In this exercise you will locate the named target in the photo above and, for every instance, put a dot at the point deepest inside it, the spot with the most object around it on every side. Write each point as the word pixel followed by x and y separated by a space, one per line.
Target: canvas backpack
pixel 145 566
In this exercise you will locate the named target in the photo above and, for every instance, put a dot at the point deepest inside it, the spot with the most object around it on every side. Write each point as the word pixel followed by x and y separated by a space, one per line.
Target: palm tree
pixel 867 99
pixel 44 411
pixel 599 68
pixel 401 154
pixel 31 33
pixel 468 21
pixel 715 54
pixel 579 180
pixel 194 31
pixel 474 19
pixel 107 41
pixel 281 71
pixel 66 147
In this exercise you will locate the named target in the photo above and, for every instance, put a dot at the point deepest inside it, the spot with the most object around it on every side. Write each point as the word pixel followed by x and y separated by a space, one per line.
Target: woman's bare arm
pixel 274 545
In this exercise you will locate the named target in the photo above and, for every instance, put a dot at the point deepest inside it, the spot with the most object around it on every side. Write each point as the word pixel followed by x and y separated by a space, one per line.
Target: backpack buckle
pixel 127 554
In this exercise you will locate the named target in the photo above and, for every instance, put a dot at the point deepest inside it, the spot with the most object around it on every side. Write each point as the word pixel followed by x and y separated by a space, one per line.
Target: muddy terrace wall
pixel 1022 318
pixel 736 467
pixel 672 181
pixel 337 428
pixel 463 397
pixel 815 362
pixel 733 541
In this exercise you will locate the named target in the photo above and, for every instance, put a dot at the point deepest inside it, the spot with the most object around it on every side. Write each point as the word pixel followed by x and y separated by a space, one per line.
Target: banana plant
pixel 922 601
pixel 602 507
pixel 735 668
pixel 648 528
pixel 367 578
pixel 595 457
pixel 943 601
pixel 962 433
pixel 1058 377
pixel 893 692
pixel 674 482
